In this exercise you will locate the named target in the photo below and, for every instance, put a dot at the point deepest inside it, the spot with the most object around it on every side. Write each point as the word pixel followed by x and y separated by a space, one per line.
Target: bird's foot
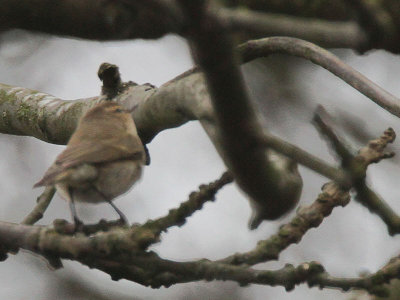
pixel 78 225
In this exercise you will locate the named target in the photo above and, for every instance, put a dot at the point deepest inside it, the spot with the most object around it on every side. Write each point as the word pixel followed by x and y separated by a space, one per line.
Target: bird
pixel 288 188
pixel 103 159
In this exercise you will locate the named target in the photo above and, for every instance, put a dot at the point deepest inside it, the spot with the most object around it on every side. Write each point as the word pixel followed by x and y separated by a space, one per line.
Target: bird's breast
pixel 116 178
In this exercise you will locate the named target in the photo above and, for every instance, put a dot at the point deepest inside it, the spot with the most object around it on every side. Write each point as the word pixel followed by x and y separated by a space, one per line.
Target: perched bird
pixel 288 187
pixel 103 159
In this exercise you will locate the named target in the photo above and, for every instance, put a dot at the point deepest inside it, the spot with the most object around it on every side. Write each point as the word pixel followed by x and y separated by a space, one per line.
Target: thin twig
pixel 303 157
pixel 377 205
pixel 356 166
pixel 178 216
pixel 306 218
pixel 325 124
pixel 43 202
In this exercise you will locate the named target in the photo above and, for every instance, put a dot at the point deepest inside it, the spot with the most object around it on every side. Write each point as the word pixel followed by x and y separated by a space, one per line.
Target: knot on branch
pixel 111 78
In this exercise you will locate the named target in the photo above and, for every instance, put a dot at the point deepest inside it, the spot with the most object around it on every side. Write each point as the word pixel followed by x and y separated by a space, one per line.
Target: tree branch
pixel 272 191
pixel 103 20
pixel 379 20
pixel 178 216
pixel 329 34
pixel 332 195
pixel 29 112
pixel 306 159
pixel 108 20
pixel 264 47
pixel 43 202
pixel 306 218
pixel 185 98
pixel 356 167
pixel 122 251
pixel 119 253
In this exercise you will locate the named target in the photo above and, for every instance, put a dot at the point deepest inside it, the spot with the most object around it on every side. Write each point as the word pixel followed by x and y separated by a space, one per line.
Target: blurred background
pixel 285 91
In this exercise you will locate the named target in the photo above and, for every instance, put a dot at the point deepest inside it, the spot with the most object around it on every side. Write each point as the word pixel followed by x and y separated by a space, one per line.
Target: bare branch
pixel 178 101
pixel 378 23
pixel 306 218
pixel 238 129
pixel 64 227
pixel 379 20
pixel 43 202
pixel 376 204
pixel 108 20
pixel 28 112
pixel 264 47
pixel 328 34
pixel 332 195
pixel 356 166
pixel 119 253
pixel 89 19
pixel 178 216
pixel 306 159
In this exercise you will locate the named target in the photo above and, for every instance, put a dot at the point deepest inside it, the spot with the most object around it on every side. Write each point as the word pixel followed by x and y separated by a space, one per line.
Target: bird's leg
pixel 120 213
pixel 147 153
pixel 78 223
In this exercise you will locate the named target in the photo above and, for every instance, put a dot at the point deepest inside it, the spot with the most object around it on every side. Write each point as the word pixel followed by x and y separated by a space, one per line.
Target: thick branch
pixel 239 130
pixel 330 34
pixel 88 19
pixel 323 9
pixel 118 253
pixel 379 20
pixel 108 20
pixel 28 112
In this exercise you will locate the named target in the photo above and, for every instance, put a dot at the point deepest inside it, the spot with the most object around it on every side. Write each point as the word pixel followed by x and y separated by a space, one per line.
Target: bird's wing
pixel 86 152
pixel 102 151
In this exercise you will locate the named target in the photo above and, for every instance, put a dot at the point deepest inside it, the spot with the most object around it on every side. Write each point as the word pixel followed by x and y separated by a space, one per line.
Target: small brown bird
pixel 103 159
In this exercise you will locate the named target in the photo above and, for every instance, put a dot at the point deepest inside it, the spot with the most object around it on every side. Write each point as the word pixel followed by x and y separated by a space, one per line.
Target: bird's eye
pixel 118 110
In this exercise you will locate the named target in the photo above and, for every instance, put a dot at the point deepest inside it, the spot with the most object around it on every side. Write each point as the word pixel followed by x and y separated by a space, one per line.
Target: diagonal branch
pixel 356 166
pixel 306 218
pixel 43 202
pixel 238 128
pixel 178 216
pixel 309 217
pixel 306 159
